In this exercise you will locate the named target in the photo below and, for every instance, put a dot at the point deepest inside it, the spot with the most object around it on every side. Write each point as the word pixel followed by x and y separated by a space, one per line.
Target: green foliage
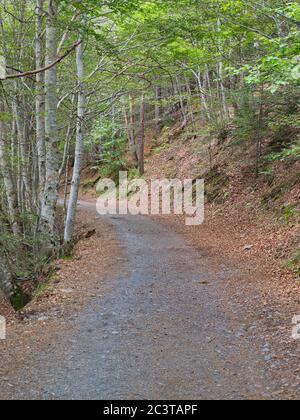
pixel 110 138
pixel 289 213
pixel 133 173
pixel 216 186
pixel 24 254
pixel 292 152
pixel 39 291
pixel 294 263
pixel 19 299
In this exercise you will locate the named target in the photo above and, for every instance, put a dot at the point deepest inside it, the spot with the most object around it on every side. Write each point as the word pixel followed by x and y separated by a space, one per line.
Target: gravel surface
pixel 162 328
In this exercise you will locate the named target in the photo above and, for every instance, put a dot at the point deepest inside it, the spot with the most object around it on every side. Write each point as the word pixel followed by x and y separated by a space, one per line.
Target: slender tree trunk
pixel 259 134
pixel 182 107
pixel 141 138
pixel 221 82
pixel 40 102
pixel 222 91
pixel 202 95
pixel 6 283
pixel 129 122
pixel 158 93
pixel 66 183
pixel 10 190
pixel 24 150
pixel 51 132
pixel 71 212
pixel 69 135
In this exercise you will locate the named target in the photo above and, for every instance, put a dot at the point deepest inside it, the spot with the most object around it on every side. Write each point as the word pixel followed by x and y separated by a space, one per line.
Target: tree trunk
pixel 182 107
pixel 158 94
pixel 221 82
pixel 51 131
pixel 131 138
pixel 6 284
pixel 40 102
pixel 205 107
pixel 69 134
pixel 141 141
pixel 24 151
pixel 72 205
pixel 10 190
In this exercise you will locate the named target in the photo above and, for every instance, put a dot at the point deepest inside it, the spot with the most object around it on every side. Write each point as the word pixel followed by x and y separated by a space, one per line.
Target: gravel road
pixel 160 330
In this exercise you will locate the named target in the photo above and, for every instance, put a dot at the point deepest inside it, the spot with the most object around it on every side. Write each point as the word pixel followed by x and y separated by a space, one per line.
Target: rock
pixel 67 291
pixel 248 247
pixel 43 318
pixel 90 233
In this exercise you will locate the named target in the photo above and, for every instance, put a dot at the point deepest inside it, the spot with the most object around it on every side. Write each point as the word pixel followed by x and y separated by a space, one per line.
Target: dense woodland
pixel 83 82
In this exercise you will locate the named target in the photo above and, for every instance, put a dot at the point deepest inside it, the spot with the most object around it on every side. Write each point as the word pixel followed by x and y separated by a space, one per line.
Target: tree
pixel 51 130
pixel 71 212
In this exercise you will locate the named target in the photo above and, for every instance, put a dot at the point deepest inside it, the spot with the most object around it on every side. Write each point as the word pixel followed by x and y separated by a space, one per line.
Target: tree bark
pixel 221 82
pixel 10 190
pixel 51 132
pixel 24 154
pixel 129 122
pixel 40 102
pixel 69 134
pixel 158 94
pixel 205 107
pixel 72 205
pixel 141 138
pixel 6 284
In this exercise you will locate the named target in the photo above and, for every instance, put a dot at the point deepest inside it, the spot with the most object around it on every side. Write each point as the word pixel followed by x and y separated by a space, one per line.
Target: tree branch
pixel 33 72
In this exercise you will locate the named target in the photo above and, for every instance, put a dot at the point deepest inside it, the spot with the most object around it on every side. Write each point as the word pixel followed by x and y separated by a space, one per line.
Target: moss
pixel 161 148
pixel 19 299
pixel 294 263
pixel 288 214
pixel 279 190
pixel 67 257
pixel 216 184
pixel 40 290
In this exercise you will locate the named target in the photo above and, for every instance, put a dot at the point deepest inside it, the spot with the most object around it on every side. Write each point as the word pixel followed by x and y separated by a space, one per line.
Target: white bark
pixel 40 102
pixel 10 190
pixel 72 205
pixel 69 134
pixel 2 67
pixel 129 122
pixel 202 94
pixel 222 87
pixel 158 94
pixel 24 153
pixel 51 132
pixel 6 284
pixel 141 138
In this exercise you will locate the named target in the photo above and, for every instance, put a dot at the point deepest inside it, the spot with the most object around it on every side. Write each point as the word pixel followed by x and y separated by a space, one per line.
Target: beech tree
pixel 70 219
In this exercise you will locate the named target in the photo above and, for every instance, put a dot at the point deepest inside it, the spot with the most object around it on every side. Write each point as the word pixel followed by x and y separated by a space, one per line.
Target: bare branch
pixel 33 72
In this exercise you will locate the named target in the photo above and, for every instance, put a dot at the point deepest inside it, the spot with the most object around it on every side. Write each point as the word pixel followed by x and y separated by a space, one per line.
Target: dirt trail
pixel 162 329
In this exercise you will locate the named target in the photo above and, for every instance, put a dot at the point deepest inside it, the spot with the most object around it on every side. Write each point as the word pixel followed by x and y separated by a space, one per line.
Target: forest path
pixel 160 330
